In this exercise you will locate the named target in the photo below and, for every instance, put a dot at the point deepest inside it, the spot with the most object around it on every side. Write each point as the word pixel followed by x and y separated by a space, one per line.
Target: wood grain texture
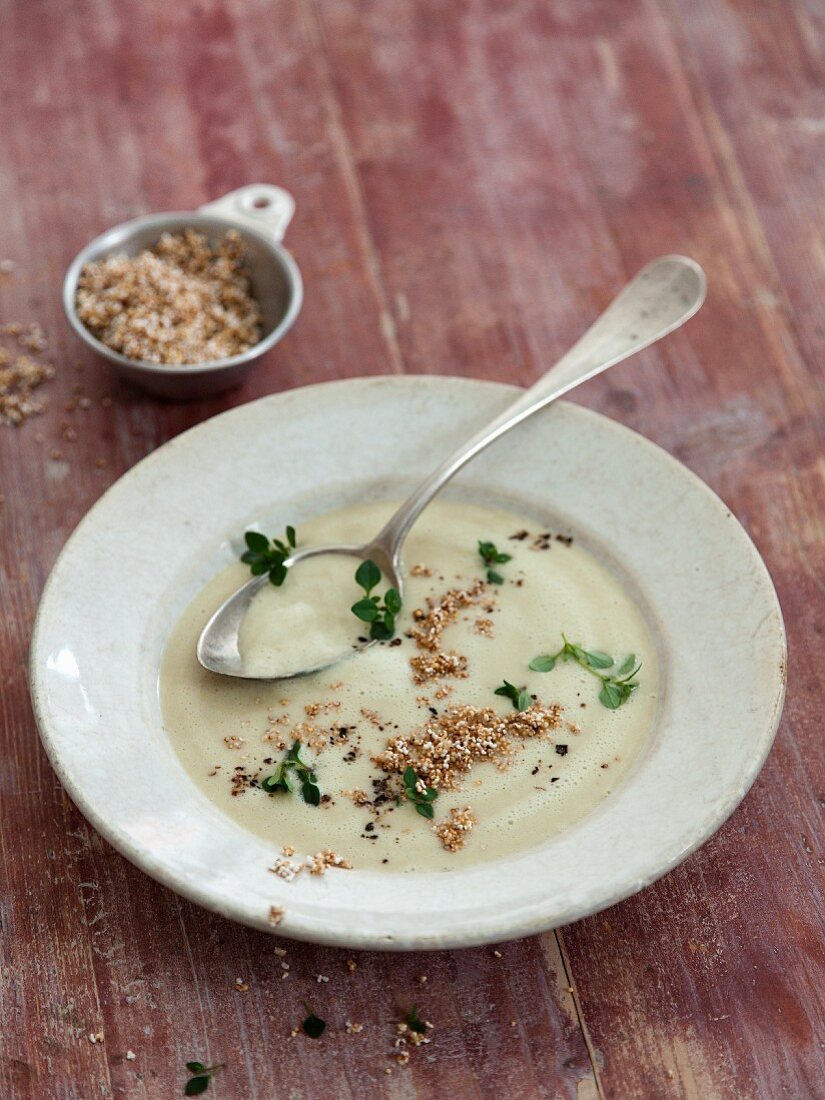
pixel 474 182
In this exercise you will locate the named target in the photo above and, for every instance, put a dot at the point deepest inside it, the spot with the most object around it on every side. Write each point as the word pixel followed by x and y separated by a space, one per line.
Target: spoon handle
pixel 660 299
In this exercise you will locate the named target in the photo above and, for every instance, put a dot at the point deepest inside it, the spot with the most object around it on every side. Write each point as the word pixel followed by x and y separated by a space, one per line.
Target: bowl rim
pixel 120 233
pixel 305 924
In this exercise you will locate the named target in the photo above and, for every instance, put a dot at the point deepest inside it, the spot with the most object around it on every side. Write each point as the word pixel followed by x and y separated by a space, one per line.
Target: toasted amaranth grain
pixel 445 749
pixel 431 622
pixel 453 830
pixel 436 666
pixel 182 301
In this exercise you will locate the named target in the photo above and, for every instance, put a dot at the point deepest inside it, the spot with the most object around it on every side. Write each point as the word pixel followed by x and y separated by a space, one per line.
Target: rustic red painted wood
pixel 474 181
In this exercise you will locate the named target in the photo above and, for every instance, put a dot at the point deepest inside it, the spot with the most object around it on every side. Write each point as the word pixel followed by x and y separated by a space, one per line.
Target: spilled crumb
pixel 286 870
pixel 406 1036
pixel 319 863
pixel 316 865
pixel 21 376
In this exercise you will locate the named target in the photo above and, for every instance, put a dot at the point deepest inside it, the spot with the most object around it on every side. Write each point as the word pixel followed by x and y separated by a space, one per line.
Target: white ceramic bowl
pixel 169 524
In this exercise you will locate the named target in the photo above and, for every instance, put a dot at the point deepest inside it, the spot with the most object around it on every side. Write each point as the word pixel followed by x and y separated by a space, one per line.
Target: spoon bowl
pixel 218 648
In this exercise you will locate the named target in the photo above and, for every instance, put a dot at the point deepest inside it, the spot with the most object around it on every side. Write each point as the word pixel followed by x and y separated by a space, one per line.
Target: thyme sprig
pixel 370 609
pixel 264 555
pixel 198 1083
pixel 491 555
pixel 422 800
pixel 617 686
pixel 293 764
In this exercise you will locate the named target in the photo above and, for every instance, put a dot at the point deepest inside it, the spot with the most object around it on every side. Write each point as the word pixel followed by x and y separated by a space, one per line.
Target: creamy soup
pixel 497 779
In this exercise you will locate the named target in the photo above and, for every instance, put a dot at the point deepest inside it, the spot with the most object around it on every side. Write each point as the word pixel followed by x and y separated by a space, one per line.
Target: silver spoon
pixel 660 299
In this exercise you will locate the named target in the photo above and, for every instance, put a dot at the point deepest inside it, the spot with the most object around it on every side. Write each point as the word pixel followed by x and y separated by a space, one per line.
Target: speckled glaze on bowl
pixel 708 597
pixel 260 213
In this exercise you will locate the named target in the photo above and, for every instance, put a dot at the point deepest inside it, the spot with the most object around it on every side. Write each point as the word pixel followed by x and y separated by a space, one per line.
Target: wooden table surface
pixel 474 182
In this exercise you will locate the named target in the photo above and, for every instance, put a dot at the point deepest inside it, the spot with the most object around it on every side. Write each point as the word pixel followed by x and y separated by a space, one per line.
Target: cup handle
pixel 260 206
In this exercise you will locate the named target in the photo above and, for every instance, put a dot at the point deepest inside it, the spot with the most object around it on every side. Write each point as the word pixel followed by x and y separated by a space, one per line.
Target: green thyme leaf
pixel 494 578
pixel 256 542
pixel 195 1067
pixel 311 794
pixel 290 536
pixel 195 1086
pixel 368 575
pixel 380 632
pixel 392 601
pixel 596 659
pixel 414 1021
pixel 610 696
pixel 519 697
pixel 275 782
pixel 508 690
pixel 425 809
pixel 277 574
pixel 524 700
pixel 365 610
pixel 626 665
pixel 545 663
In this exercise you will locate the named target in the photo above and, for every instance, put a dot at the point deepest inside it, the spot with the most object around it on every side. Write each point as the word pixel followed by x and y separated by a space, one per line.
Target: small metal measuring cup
pixel 260 213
